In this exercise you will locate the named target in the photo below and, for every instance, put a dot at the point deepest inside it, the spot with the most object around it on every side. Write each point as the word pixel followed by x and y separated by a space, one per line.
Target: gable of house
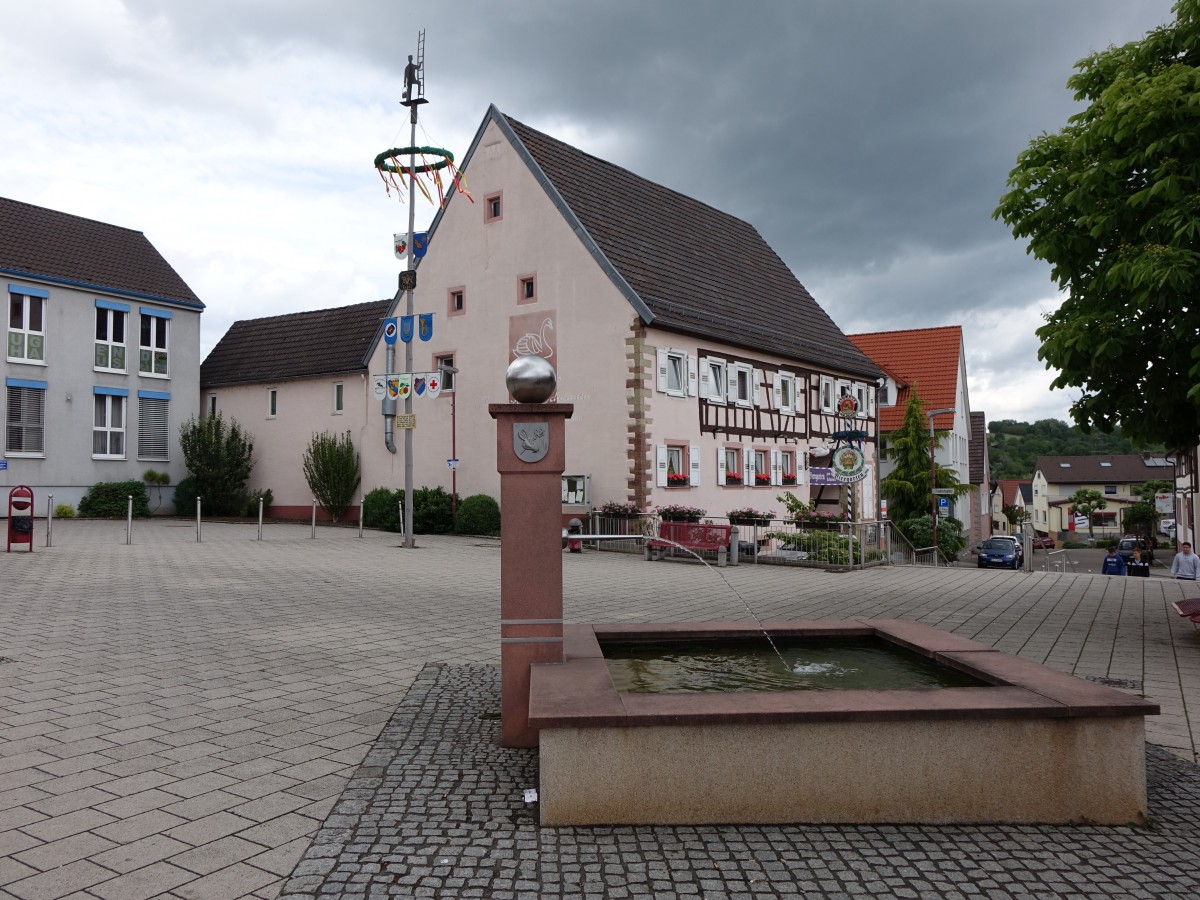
pixel 929 358
pixel 657 247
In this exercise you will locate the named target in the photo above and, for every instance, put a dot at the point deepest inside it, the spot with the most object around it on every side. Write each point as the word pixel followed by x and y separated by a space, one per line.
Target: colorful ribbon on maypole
pixel 389 164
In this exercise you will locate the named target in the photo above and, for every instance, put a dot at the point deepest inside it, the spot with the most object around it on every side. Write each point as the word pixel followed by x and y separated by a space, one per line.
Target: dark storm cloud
pixel 868 141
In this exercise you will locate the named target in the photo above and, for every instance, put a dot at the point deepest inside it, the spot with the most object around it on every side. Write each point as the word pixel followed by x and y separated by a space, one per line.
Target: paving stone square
pixel 169 702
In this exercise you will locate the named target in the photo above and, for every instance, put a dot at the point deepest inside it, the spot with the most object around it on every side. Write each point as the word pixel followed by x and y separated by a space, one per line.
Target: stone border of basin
pixel 1035 746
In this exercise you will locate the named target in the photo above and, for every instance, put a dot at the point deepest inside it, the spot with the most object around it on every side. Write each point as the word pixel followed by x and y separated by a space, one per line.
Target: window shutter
pixel 731 382
pixel 26 426
pixel 152 429
pixel 776 467
pixel 871 402
pixel 694 465
pixel 705 387
pixel 691 375
pixel 747 466
pixel 662 370
pixel 755 387
pixel 721 472
pixel 660 468
pixel 777 390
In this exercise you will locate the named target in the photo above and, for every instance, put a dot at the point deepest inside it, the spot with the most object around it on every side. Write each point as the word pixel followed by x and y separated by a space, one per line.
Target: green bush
pixel 431 511
pixel 220 457
pixel 381 509
pixel 110 500
pixel 250 503
pixel 820 544
pixel 331 469
pixel 479 514
pixel 64 511
pixel 185 497
pixel 919 532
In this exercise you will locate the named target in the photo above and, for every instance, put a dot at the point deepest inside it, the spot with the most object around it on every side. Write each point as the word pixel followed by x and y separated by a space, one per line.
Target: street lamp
pixel 933 474
pixel 452 371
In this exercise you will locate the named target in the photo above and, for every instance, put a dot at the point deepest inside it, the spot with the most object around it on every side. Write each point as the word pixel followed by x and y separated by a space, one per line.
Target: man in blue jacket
pixel 1113 564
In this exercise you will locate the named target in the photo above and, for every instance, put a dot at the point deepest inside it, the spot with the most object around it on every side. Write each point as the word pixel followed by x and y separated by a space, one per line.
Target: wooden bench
pixel 691 536
pixel 1188 608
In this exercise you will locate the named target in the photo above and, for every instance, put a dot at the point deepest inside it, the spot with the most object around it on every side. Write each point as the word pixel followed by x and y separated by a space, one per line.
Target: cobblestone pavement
pixel 177 718
pixel 437 810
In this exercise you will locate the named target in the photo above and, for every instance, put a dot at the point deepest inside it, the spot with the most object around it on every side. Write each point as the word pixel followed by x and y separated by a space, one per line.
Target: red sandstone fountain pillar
pixel 530 457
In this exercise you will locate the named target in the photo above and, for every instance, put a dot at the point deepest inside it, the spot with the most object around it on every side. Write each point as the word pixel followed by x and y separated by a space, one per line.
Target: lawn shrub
pixel 479 514
pixel 110 500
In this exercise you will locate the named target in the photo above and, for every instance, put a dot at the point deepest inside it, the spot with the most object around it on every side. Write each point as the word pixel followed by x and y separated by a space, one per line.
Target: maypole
pixel 411 246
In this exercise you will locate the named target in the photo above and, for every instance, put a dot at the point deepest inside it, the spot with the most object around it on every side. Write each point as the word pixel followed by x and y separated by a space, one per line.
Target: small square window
pixel 527 289
pixel 493 207
pixel 445 364
pixel 456 301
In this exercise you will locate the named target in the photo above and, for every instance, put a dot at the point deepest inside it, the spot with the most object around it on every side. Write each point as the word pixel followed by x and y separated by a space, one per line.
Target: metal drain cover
pixel 1126 683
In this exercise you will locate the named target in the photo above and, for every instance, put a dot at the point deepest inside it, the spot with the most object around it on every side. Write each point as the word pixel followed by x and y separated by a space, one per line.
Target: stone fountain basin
pixel 1034 746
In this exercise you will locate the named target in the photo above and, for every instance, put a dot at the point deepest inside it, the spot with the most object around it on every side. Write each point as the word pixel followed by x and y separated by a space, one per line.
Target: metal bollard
pixel 260 515
pixel 197 520
pixel 49 518
pixel 361 502
pixel 129 520
pixel 314 519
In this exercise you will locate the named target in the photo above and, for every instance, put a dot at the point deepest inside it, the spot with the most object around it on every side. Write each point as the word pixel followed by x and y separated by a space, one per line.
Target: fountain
pixel 1014 741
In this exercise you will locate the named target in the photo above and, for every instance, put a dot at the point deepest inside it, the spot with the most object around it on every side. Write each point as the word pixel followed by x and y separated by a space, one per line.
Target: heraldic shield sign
pixel 531 440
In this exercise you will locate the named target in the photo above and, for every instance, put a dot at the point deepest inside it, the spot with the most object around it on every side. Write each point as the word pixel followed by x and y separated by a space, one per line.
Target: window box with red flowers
pixel 789 479
pixel 762 479
pixel 733 478
pixel 676 480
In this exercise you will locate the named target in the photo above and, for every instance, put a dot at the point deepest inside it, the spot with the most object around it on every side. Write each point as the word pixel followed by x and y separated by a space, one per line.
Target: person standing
pixel 1137 567
pixel 1186 565
pixel 1113 563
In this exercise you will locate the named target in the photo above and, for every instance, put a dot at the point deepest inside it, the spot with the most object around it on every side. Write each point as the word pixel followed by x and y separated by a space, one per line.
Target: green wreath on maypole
pixel 433 159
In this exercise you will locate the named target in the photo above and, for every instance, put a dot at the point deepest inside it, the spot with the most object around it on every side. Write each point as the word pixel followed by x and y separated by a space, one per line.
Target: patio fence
pixel 828 545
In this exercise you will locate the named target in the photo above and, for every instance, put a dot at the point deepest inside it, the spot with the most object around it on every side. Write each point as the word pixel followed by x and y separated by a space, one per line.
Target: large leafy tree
pixel 1112 202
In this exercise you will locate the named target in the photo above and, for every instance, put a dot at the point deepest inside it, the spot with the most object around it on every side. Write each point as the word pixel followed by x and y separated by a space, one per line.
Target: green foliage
pixel 1139 517
pixel 220 457
pixel 157 480
pixel 479 514
pixel 1084 502
pixel 110 500
pixel 331 467
pixel 185 496
pixel 381 509
pixel 907 488
pixel 64 511
pixel 820 545
pixel 250 502
pixel 431 510
pixel 919 531
pixel 1110 202
pixel 1013 447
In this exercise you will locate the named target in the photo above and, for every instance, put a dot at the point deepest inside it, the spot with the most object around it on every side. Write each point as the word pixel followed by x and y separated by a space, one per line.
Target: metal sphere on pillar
pixel 531 379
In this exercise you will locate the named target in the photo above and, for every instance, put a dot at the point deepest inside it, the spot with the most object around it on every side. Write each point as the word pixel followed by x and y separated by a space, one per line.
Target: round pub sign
pixel 848 465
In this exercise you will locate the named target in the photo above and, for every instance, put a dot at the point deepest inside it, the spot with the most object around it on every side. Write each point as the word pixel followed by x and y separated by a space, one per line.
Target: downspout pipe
pixel 389 405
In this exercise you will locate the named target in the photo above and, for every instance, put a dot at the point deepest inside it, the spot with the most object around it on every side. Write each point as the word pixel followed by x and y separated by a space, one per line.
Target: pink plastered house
pixel 701 370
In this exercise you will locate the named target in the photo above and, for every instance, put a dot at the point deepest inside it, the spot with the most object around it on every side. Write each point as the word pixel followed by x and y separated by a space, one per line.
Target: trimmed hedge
pixel 479 514
pixel 110 500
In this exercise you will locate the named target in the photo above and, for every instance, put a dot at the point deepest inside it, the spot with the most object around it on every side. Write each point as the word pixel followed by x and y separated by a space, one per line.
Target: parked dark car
pixel 1043 543
pixel 999 552
pixel 1125 548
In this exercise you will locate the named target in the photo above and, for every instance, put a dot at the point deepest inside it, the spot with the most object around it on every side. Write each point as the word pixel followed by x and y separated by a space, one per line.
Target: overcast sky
pixel 867 140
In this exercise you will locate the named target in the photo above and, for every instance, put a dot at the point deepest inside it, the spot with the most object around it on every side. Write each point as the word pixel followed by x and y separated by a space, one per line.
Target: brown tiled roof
pixel 977 450
pixel 926 357
pixel 690 267
pixel 43 243
pixel 296 345
pixel 1130 468
pixel 1010 487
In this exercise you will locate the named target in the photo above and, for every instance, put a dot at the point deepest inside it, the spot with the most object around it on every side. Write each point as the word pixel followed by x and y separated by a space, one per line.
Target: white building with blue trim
pixel 102 361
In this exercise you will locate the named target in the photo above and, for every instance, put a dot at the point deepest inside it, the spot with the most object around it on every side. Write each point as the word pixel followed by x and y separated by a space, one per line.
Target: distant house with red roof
pixel 932 362
pixel 1015 493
